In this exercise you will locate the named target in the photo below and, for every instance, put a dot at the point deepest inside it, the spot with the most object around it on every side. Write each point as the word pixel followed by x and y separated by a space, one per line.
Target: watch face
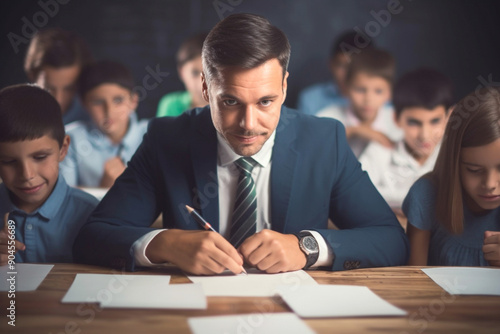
pixel 310 243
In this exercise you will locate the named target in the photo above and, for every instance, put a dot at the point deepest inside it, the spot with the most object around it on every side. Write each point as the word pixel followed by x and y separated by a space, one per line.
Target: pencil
pixel 206 225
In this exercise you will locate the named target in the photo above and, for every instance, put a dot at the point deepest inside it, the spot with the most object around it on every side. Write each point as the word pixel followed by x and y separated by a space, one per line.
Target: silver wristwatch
pixel 309 246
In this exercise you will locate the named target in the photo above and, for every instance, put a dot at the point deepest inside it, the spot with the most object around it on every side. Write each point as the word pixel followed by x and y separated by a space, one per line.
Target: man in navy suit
pixel 266 177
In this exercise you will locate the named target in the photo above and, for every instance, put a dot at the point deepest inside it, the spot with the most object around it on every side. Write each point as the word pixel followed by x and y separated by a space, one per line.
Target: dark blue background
pixel 461 38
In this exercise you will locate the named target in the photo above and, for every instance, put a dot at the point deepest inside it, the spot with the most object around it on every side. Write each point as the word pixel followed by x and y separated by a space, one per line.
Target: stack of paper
pixel 25 276
pixel 135 291
pixel 466 281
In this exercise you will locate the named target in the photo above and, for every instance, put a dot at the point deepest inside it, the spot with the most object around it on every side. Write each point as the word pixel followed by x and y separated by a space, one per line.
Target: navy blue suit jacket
pixel 314 176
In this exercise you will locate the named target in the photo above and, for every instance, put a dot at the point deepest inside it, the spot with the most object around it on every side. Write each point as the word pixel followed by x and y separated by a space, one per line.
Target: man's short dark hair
pixel 56 48
pixel 425 88
pixel 190 49
pixel 374 62
pixel 104 72
pixel 28 112
pixel 246 41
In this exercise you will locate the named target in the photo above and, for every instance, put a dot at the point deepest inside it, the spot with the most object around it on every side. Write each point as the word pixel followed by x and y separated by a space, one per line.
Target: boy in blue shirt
pixel 100 149
pixel 47 213
pixel 315 98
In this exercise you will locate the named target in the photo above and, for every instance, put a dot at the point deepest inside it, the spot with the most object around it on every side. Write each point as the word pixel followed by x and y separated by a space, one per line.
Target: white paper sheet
pixel 322 301
pixel 27 276
pixel 255 323
pixel 96 192
pixel 466 281
pixel 255 284
pixel 135 291
pixel 103 288
pixel 174 296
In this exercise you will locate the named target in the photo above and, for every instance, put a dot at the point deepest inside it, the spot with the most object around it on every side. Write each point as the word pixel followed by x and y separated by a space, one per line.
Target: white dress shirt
pixel 393 172
pixel 227 175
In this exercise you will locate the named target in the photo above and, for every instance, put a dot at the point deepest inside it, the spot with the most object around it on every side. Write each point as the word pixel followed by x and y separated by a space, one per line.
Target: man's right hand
pixel 196 252
pixel 4 242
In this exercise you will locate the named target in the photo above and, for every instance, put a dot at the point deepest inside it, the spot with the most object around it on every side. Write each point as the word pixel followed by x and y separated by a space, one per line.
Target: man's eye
pixel 230 102
pixel 7 162
pixel 266 103
pixel 41 157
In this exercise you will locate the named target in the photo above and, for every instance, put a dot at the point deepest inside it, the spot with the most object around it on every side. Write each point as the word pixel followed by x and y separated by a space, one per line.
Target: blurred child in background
pixel 189 68
pixel 315 98
pixel 101 148
pixel 422 102
pixel 54 61
pixel 367 118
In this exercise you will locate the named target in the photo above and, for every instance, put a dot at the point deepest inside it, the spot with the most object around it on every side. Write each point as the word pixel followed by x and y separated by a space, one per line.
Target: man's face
pixel 60 83
pixel 29 169
pixel 246 104
pixel 368 94
pixel 423 129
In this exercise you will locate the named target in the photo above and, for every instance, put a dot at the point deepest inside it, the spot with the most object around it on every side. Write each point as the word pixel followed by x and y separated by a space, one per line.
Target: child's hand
pixel 491 248
pixel 6 243
pixel 113 168
pixel 367 133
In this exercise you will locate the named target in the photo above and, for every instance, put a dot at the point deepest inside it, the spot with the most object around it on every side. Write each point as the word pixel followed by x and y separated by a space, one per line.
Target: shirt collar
pixel 226 155
pixel 128 140
pixel 402 157
pixel 48 210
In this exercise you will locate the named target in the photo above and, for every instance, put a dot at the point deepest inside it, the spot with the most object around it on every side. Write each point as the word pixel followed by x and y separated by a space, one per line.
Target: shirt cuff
pixel 139 249
pixel 325 256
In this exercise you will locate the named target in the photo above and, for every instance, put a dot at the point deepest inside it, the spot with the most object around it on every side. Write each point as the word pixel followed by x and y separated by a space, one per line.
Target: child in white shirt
pixel 422 101
pixel 367 117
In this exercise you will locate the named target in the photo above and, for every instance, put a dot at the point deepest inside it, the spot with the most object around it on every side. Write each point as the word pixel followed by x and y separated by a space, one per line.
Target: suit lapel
pixel 203 148
pixel 284 160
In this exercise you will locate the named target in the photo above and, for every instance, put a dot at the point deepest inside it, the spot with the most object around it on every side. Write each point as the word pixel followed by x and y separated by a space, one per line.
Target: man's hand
pixel 491 248
pixel 113 168
pixel 5 237
pixel 273 252
pixel 196 252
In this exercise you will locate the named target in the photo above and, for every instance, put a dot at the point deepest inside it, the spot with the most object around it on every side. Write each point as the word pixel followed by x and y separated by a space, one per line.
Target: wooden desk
pixel 430 309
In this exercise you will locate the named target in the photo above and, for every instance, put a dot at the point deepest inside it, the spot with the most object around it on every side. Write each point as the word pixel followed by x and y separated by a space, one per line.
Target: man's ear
pixel 204 88
pixel 285 86
pixel 64 148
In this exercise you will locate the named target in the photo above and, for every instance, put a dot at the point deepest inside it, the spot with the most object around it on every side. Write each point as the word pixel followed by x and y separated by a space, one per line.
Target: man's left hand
pixel 273 252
